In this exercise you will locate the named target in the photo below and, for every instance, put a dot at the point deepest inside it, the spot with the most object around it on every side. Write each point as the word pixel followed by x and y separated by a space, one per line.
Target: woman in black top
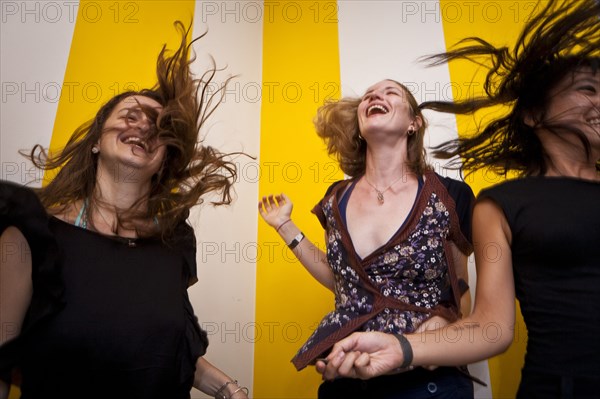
pixel 536 237
pixel 95 273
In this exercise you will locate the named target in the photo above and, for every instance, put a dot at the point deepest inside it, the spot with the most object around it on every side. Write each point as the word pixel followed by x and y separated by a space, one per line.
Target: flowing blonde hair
pixel 336 123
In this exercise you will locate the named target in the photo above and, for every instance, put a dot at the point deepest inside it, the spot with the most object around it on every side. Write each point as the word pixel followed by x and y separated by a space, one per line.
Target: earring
pixel 95 150
pixel 411 132
pixel 360 137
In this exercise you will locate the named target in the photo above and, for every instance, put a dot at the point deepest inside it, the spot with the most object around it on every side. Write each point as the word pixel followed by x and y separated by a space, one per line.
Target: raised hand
pixel 275 209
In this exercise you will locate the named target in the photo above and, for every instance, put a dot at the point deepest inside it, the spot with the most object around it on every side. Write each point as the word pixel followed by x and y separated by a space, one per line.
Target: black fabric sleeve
pixel 318 208
pixel 21 208
pixel 501 197
pixel 464 201
pixel 185 241
pixel 196 337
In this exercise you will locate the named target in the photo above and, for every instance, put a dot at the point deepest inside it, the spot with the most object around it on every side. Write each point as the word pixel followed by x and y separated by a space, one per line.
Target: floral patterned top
pixel 408 280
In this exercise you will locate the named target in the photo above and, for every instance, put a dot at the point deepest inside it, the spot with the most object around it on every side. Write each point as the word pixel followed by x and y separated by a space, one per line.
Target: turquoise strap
pixel 80 221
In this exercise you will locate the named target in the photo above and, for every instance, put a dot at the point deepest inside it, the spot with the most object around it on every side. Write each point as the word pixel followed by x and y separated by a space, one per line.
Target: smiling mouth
pixel 595 121
pixel 136 141
pixel 377 109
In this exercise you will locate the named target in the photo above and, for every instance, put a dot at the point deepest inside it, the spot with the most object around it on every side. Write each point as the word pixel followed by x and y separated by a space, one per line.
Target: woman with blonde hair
pixel 397 235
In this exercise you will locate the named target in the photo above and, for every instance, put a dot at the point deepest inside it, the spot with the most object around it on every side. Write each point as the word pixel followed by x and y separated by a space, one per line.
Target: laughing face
pixel 576 101
pixel 385 107
pixel 125 139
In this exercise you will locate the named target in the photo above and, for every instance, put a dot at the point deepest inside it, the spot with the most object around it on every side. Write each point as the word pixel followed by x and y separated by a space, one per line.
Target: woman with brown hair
pixel 97 302
pixel 397 236
pixel 544 226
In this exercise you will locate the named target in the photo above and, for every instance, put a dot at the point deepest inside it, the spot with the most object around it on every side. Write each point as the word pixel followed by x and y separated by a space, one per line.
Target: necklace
pixel 380 197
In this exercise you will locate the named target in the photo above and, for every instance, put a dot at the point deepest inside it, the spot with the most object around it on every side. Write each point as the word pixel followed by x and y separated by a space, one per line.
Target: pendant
pixel 380 197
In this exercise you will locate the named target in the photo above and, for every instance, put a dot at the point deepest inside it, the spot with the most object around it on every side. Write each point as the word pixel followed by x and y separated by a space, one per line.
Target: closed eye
pixel 133 115
pixel 366 97
pixel 590 89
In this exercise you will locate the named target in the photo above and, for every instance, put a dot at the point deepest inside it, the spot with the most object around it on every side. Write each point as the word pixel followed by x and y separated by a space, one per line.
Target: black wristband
pixel 407 353
pixel 296 241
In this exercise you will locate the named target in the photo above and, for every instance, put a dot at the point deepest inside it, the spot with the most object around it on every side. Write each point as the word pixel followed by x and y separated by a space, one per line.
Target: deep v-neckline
pixel 342 197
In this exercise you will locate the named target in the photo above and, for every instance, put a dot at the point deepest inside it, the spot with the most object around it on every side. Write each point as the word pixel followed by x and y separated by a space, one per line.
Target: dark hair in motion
pixel 189 170
pixel 559 39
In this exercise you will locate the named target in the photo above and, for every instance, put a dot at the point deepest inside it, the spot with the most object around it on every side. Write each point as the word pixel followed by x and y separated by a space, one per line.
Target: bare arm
pixel 15 287
pixel 277 211
pixel 211 381
pixel 488 331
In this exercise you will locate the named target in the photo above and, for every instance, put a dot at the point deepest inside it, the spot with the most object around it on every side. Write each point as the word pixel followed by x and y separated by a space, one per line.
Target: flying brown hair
pixel 190 169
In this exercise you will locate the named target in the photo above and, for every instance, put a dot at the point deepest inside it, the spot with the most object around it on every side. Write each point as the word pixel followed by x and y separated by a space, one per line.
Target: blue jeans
pixel 442 383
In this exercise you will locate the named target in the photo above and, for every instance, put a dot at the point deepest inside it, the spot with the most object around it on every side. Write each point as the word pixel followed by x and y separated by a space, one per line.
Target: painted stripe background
pixel 61 60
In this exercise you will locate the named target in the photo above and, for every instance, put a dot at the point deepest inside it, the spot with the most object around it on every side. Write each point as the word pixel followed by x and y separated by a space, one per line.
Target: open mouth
pixel 377 109
pixel 135 141
pixel 594 121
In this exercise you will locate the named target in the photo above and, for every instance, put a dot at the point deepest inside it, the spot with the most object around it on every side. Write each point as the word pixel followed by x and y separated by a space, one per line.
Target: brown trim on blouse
pixel 455 230
pixel 456 236
pixel 381 302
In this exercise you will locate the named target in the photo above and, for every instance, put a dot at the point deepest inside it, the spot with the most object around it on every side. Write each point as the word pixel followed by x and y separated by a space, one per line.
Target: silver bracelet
pixel 219 394
pixel 237 390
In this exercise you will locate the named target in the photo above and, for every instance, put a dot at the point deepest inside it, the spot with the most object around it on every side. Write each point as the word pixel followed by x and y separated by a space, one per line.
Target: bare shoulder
pixel 489 217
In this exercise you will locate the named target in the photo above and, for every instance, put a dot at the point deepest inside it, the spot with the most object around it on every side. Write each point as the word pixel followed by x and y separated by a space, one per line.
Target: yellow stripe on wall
pixel 114 49
pixel 498 22
pixel 300 69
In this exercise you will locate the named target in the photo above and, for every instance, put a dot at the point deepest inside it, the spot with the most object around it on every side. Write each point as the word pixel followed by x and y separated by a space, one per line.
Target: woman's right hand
pixel 362 355
pixel 275 209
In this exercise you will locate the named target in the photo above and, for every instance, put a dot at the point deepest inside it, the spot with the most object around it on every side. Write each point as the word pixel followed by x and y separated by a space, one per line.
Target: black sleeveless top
pixel 555 225
pixel 110 317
